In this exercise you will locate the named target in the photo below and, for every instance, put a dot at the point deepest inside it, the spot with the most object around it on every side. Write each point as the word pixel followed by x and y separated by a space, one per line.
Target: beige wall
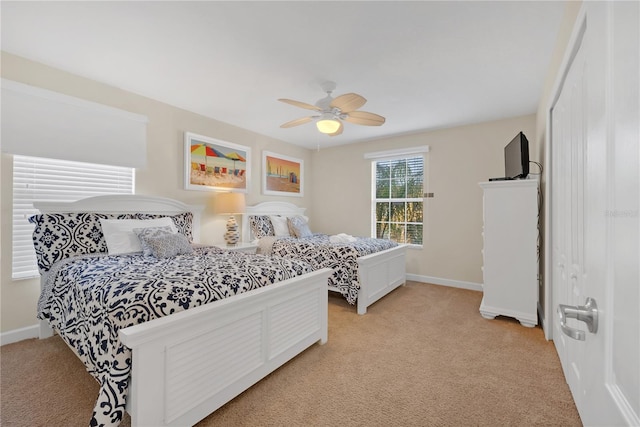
pixel 163 175
pixel 459 158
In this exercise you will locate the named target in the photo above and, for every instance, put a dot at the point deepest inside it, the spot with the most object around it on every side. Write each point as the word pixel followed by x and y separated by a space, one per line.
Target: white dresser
pixel 510 250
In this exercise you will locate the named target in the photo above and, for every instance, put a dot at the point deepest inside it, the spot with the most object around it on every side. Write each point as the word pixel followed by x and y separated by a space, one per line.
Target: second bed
pixel 363 269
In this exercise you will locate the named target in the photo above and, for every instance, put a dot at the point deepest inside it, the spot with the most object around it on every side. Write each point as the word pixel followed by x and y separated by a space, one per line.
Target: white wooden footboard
pixel 380 273
pixel 187 365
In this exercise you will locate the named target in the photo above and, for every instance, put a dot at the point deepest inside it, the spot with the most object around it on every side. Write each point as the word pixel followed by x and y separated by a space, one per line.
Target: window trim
pixel 398 153
pixel 390 155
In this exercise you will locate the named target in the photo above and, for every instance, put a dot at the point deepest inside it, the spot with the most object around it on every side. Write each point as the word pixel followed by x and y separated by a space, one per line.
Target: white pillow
pixel 280 226
pixel 120 236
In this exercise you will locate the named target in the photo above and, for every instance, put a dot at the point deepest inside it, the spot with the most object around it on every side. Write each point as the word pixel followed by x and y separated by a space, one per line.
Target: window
pixel 397 199
pixel 55 180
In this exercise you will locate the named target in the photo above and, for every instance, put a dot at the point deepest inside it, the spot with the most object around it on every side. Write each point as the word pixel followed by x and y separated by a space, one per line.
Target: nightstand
pixel 240 247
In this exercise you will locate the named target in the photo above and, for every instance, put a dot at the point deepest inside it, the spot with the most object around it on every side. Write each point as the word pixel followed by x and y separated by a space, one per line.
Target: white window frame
pixel 42 179
pixel 390 155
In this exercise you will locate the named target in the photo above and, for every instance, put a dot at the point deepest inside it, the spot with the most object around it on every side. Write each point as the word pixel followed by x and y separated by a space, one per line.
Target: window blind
pixel 40 179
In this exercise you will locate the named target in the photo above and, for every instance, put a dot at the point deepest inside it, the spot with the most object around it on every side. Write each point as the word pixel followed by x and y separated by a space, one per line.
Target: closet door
pixel 595 215
pixel 567 235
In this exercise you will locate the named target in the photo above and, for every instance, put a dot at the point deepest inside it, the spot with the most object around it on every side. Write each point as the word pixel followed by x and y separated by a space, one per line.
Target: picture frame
pixel 282 175
pixel 214 165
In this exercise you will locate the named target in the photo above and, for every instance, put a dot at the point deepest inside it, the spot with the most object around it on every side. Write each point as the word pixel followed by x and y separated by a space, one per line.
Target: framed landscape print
pixel 282 175
pixel 211 164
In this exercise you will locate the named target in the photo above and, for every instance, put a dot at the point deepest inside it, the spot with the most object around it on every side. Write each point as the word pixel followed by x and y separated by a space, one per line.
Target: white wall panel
pixel 42 123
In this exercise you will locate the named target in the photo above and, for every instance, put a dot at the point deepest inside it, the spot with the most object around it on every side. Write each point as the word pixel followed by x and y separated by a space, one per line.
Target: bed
pixel 363 269
pixel 200 342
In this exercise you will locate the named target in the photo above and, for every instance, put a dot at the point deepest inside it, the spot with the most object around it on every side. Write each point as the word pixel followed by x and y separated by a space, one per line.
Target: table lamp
pixel 230 204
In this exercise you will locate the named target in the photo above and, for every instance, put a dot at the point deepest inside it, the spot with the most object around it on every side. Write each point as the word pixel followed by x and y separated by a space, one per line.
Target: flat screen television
pixel 516 158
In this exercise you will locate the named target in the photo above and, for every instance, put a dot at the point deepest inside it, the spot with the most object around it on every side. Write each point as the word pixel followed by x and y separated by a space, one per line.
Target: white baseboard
pixel 445 282
pixel 19 334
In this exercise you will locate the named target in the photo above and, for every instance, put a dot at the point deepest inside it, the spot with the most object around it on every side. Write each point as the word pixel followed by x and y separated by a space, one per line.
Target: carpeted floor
pixel 421 356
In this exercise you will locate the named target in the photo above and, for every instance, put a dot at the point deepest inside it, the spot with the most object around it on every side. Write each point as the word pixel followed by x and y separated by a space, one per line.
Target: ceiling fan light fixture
pixel 334 111
pixel 327 124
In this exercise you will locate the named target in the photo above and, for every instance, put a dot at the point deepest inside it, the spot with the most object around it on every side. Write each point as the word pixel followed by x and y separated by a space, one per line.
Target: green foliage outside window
pixel 398 200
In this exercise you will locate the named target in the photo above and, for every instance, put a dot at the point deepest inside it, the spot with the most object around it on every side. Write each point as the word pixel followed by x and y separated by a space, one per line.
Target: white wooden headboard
pixel 267 208
pixel 126 203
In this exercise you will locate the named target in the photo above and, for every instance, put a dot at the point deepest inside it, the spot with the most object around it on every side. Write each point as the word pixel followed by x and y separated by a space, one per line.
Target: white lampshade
pixel 327 125
pixel 229 203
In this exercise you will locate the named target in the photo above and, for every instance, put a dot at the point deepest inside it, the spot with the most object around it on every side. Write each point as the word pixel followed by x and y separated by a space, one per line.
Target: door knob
pixel 587 313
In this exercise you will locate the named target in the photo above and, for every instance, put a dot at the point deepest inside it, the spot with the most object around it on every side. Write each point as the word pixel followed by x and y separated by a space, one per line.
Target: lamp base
pixel 232 236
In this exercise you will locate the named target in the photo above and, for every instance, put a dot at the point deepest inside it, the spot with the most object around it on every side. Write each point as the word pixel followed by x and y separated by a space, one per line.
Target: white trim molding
pixel 445 282
pixel 400 152
pixel 21 334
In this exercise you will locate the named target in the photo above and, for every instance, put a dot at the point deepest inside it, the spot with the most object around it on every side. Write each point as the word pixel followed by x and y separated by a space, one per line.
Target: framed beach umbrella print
pixel 213 165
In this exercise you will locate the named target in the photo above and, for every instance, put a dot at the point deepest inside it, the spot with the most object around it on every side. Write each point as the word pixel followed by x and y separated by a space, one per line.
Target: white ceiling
pixel 421 64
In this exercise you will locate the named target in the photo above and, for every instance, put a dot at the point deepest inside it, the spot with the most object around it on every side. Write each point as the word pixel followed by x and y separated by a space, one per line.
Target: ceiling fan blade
pixel 337 132
pixel 300 104
pixel 364 118
pixel 348 102
pixel 297 122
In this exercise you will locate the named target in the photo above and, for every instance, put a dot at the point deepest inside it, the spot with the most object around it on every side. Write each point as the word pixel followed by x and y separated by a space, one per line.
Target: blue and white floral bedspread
pixel 319 252
pixel 89 298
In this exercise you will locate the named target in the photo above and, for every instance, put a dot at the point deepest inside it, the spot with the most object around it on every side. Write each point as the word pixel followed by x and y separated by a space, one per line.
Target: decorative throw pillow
pixel 150 232
pixel 183 222
pixel 57 236
pixel 120 236
pixel 280 226
pixel 261 226
pixel 166 244
pixel 298 227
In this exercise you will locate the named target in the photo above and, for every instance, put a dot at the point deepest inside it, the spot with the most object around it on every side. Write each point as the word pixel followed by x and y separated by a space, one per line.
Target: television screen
pixel 516 158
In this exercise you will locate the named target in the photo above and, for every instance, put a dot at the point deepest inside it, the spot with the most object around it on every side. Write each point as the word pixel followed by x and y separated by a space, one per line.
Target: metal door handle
pixel 587 313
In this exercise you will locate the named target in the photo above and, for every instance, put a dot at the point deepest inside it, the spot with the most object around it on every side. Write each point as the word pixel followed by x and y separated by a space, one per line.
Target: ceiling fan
pixel 333 111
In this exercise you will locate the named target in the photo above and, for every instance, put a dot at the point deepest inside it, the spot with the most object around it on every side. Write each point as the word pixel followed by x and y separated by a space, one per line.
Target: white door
pixel 568 142
pixel 595 221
